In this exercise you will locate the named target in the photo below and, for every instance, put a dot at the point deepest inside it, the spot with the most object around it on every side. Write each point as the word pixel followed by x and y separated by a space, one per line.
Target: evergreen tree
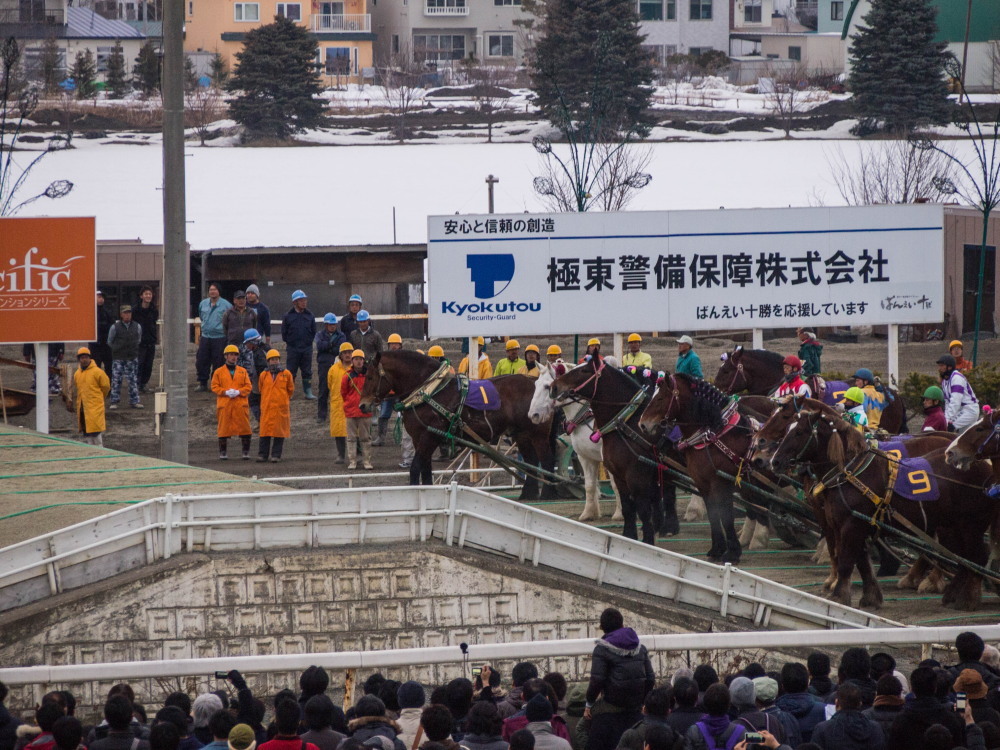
pixel 52 67
pixel 84 74
pixel 589 70
pixel 147 70
pixel 190 76
pixel 219 71
pixel 117 83
pixel 276 82
pixel 898 69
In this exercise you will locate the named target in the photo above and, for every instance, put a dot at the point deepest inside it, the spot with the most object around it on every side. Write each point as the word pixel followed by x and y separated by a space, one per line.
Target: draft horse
pixel 442 410
pixel 616 400
pixel 854 478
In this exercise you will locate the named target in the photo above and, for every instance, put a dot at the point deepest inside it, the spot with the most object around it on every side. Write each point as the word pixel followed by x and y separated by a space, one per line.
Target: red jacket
pixel 935 419
pixel 350 388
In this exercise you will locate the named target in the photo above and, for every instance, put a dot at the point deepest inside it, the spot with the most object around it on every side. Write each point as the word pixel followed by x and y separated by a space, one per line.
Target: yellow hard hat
pixel 480 340
pixel 358 353
pixel 273 354
pixel 594 342
pixel 634 337
pixel 531 348
pixel 82 350
pixel 394 338
pixel 512 344
pixel 554 349
pixel 956 342
pixel 231 349
pixel 435 351
pixel 347 346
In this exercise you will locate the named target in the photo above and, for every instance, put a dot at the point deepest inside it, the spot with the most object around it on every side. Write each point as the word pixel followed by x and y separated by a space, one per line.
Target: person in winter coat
pixel 276 389
pixel 655 712
pixel 370 721
pixel 810 352
pixel 688 362
pixel 620 673
pixel 484 369
pixel 253 359
pixel 820 683
pixel 318 714
pixel 8 724
pixel 970 682
pixel 539 714
pixel 743 695
pixel 934 418
pixel 531 688
pixel 213 335
pixel 286 718
pixel 956 349
pixel 124 338
pixel 715 730
pixel 349 321
pixel 961 405
pixel 40 737
pixel 358 423
pixel 926 709
pixel 238 318
pixel 888 702
pixel 147 316
pixel 118 714
pixel 519 675
pixel 92 387
pixel 805 708
pixel 298 329
pixel 855 667
pixel 687 712
pixel 483 728
pixel 411 698
pixel 262 310
pixel 334 379
pixel 231 386
pixel 970 649
pixel 100 348
pixel 848 729
pixel 327 342
pixel 365 337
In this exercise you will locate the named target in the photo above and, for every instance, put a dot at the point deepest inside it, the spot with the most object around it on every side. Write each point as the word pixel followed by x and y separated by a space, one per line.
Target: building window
pixel 795 53
pixel 500 45
pixel 506 2
pixel 670 50
pixel 190 7
pixel 103 53
pixel 837 10
pixel 671 14
pixel 395 44
pixel 291 11
pixel 695 51
pixel 651 10
pixel 445 3
pixel 701 10
pixel 436 47
pixel 338 61
pixel 751 11
pixel 246 11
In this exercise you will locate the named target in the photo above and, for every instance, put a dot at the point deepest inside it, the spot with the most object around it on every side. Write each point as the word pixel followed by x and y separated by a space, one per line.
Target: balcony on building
pixel 446 8
pixel 331 23
pixel 30 19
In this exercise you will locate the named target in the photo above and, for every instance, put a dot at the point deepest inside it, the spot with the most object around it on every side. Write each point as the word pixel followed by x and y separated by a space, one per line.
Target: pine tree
pixel 219 71
pixel 276 82
pixel 898 69
pixel 190 76
pixel 589 70
pixel 116 81
pixel 53 69
pixel 147 70
pixel 84 74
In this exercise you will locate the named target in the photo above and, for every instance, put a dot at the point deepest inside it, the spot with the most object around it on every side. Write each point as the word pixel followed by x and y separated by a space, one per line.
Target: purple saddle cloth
pixel 483 396
pixel 895 445
pixel 916 480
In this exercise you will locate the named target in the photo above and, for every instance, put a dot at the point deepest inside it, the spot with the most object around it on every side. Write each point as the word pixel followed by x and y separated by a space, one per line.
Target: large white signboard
pixel 684 270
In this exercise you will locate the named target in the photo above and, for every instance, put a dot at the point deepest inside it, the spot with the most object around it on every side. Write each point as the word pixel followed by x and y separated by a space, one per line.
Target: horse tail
pixel 904 428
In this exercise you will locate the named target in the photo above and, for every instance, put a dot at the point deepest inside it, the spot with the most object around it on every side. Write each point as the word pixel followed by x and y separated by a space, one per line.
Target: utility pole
pixel 176 269
pixel 490 182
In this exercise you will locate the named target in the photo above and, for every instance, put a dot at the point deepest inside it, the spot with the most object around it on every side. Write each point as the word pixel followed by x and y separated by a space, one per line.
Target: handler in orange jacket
pixel 231 386
pixel 276 389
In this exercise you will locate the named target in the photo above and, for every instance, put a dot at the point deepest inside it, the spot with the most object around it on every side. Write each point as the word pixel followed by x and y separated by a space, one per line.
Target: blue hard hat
pixel 363 315
pixel 355 298
pixel 330 318
pixel 298 294
pixel 249 334
pixel 865 374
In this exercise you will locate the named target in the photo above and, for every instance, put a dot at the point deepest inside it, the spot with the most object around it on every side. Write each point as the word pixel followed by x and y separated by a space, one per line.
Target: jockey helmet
pixel 792 361
pixel 934 393
pixel 394 338
pixel 634 337
pixel 435 351
pixel 553 350
pixel 947 360
pixel 231 349
pixel 864 374
pixel 854 394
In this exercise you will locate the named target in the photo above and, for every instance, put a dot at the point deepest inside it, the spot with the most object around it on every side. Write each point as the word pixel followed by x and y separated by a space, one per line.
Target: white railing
pixel 446 10
pixel 491 652
pixel 441 476
pixel 461 516
pixel 334 22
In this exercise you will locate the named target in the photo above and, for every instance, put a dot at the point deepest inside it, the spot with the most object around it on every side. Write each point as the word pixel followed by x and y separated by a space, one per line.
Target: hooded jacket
pixel 908 729
pixel 620 669
pixel 810 352
pixel 821 687
pixel 850 730
pixel 545 738
pixel 635 737
pixel 883 715
pixel 805 709
pixel 366 727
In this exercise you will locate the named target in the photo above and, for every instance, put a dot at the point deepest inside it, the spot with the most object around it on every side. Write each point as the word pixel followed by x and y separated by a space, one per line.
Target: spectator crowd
pixel 866 705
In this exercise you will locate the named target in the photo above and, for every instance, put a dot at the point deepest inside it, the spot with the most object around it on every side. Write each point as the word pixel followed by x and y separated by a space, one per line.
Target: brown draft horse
pixel 694 406
pixel 403 372
pixel 758 372
pixel 644 492
pixel 826 446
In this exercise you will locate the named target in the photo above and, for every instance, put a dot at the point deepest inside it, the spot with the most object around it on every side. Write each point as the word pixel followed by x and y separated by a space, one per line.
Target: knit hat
pixel 971 683
pixel 766 689
pixel 410 695
pixel 241 737
pixel 742 693
pixel 253 288
pixel 538 708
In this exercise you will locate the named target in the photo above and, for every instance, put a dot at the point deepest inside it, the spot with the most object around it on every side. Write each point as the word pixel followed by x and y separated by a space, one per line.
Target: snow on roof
pixel 83 23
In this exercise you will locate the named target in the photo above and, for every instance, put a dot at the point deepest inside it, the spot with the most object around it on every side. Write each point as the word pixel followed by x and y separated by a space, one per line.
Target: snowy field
pixel 337 195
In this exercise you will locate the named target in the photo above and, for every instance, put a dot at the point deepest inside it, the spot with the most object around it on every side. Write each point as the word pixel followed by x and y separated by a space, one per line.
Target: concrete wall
pixel 368 598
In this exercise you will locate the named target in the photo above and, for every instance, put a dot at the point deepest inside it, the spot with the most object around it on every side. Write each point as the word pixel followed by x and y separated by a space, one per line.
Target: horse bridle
pixel 813 435
pixel 574 394
pixel 739 371
pixel 994 434
pixel 665 421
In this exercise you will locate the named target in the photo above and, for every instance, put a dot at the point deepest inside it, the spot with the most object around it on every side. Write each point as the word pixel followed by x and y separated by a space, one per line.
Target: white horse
pixel 588 452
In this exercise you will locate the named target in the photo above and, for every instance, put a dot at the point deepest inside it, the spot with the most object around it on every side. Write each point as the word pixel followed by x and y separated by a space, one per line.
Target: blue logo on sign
pixel 490 270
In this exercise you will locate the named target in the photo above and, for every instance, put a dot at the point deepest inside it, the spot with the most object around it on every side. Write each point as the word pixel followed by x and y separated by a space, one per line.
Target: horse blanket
pixel 482 396
pixel 915 480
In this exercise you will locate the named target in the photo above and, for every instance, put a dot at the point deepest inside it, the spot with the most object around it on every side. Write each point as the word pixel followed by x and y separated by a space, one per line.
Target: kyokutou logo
pixel 31 283
pixel 488 271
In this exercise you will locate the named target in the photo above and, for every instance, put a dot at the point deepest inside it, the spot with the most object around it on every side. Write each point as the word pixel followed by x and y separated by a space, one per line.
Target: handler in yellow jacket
pixel 276 388
pixel 530 368
pixel 635 356
pixel 92 387
pixel 334 377
pixel 485 369
pixel 231 386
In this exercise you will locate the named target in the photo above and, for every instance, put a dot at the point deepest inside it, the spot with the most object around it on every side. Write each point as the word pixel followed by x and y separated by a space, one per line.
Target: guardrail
pixel 484 653
pixel 461 516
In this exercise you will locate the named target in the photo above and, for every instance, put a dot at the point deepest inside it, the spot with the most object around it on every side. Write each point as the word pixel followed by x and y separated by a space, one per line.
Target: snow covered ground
pixel 337 195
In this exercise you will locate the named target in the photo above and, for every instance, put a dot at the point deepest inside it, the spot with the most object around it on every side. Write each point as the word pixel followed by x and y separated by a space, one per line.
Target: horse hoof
pixel 872 602
pixel 618 517
pixel 717 559
pixel 672 527
pixel 588 515
pixel 731 559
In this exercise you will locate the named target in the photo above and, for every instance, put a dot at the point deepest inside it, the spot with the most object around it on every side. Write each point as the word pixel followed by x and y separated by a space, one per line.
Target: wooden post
pixel 758 338
pixel 348 690
pixel 892 373
pixel 619 346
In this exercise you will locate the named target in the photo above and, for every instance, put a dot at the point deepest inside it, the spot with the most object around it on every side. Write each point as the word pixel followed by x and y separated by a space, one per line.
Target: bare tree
pixel 887 172
pixel 490 93
pixel 787 92
pixel 614 185
pixel 398 78
pixel 203 106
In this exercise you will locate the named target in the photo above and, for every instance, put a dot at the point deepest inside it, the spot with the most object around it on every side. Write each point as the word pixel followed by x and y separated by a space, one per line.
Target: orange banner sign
pixel 48 280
